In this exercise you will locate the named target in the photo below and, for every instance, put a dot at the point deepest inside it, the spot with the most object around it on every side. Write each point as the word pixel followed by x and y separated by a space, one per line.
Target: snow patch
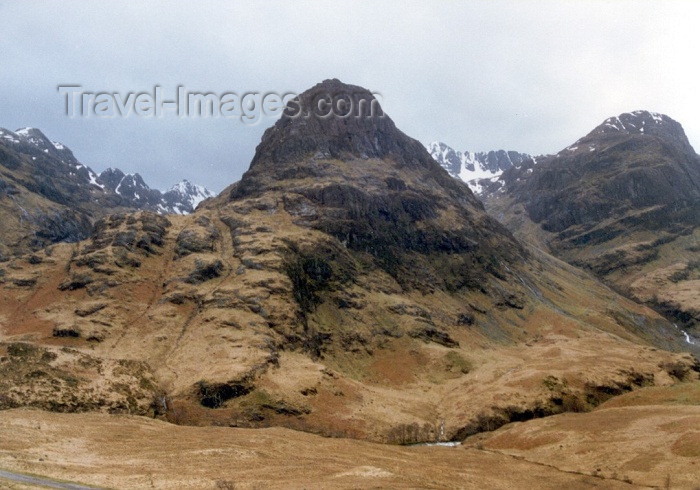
pixel 93 179
pixel 190 193
pixel 9 135
pixel 658 118
pixel 469 167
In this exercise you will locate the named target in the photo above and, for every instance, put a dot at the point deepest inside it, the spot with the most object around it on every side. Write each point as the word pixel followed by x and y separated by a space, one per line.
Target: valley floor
pixel 647 438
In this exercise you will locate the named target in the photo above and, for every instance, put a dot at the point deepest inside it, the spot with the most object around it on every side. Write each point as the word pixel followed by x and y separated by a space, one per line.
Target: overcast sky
pixel 478 75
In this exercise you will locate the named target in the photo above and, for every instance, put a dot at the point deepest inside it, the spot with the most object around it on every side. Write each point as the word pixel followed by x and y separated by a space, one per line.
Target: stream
pixel 688 338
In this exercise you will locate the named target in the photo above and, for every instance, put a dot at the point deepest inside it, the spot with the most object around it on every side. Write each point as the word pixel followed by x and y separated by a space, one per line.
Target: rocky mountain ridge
pixel 622 201
pixel 48 196
pixel 479 170
pixel 346 285
pixel 181 198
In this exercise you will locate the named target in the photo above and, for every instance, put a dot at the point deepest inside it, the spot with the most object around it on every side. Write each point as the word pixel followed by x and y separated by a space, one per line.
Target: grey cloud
pixel 528 76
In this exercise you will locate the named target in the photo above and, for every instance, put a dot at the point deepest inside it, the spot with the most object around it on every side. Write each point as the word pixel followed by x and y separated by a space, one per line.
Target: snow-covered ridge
pixel 33 137
pixel 9 135
pixel 627 123
pixel 192 192
pixel 476 169
pixel 182 198
pixel 632 122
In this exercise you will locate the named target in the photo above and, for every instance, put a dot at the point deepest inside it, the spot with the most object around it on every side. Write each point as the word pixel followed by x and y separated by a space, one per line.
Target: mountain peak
pixel 35 137
pixel 639 123
pixel 335 120
pixel 478 169
pixel 37 140
pixel 110 178
pixel 184 197
pixel 311 138
pixel 377 192
pixel 30 132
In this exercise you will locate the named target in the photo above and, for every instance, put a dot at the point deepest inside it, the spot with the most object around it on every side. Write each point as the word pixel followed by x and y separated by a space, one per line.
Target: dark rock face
pixel 111 178
pixel 205 271
pixel 64 226
pixel 366 135
pixel 379 193
pixel 48 196
pixel 495 161
pixel 385 226
pixel 632 162
pixel 615 202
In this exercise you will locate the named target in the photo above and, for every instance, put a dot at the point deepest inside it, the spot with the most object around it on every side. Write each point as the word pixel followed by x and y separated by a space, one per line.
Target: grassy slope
pixel 646 438
pixel 230 332
pixel 648 267
pixel 132 452
pixel 649 437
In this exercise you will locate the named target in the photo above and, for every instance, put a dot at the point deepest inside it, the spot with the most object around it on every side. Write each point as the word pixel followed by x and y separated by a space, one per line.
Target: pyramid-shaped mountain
pixel 361 180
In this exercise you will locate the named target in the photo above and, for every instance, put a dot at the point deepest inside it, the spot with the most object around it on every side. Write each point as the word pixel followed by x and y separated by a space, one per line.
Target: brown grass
pixel 131 452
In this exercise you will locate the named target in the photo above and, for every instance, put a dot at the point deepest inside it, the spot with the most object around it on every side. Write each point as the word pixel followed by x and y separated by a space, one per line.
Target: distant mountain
pixel 183 198
pixel 622 201
pixel 47 195
pixel 478 169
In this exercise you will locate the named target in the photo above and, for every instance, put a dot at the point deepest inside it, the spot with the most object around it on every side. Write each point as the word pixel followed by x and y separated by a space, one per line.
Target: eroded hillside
pixel 622 202
pixel 347 286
